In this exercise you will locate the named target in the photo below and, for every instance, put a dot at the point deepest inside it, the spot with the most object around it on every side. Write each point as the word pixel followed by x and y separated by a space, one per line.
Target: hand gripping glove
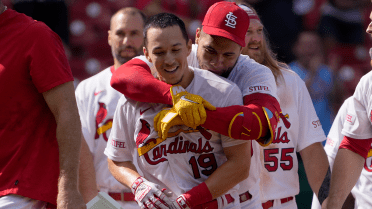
pixel 166 119
pixel 190 107
pixel 149 195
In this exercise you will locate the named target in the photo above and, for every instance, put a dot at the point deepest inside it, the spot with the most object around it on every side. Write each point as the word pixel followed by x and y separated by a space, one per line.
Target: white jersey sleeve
pixel 358 120
pixel 120 146
pixel 252 77
pixel 309 130
pixel 335 137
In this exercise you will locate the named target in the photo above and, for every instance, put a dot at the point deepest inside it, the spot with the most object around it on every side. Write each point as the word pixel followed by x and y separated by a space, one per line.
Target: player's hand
pixel 166 119
pixel 180 203
pixel 149 195
pixel 70 199
pixel 190 107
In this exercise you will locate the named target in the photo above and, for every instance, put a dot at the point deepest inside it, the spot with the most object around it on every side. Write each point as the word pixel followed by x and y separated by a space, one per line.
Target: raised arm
pixel 134 80
pixel 62 103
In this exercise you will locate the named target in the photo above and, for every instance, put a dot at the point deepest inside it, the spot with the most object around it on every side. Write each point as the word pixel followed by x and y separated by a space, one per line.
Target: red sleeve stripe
pixel 359 146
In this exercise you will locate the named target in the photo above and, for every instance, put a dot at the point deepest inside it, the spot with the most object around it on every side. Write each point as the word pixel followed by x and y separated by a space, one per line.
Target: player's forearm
pixel 124 172
pixel 346 171
pixel 87 175
pixel 134 80
pixel 232 172
pixel 316 165
pixel 69 142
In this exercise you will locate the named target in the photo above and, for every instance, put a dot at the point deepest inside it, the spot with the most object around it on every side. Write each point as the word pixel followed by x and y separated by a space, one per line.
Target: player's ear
pixel 109 37
pixel 197 36
pixel 146 53
pixel 189 47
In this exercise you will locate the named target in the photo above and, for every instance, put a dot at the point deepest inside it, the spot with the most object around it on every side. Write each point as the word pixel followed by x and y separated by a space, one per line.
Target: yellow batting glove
pixel 190 107
pixel 166 119
pixel 157 120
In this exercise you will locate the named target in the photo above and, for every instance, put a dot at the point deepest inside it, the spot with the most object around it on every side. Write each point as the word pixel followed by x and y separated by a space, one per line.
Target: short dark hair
pixel 164 20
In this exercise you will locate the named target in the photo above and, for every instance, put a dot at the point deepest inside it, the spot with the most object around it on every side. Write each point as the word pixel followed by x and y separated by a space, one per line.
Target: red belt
pixel 270 203
pixel 123 196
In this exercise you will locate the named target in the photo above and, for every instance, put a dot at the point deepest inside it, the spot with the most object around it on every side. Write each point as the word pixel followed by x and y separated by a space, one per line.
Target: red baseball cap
pixel 228 20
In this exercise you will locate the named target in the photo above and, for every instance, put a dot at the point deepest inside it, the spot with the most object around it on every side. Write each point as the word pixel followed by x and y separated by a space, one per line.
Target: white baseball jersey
pixel 187 157
pixel 362 191
pixel 279 174
pixel 358 124
pixel 96 101
pixel 251 77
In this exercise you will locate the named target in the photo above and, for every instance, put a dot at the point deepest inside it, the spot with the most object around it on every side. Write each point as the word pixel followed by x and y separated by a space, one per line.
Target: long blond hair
pixel 270 59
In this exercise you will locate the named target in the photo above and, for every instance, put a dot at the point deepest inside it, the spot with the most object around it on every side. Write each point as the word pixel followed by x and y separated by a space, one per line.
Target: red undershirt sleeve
pixel 134 80
pixel 256 120
pixel 359 146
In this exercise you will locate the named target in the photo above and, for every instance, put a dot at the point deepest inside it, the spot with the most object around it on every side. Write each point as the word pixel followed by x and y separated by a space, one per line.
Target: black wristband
pixel 324 188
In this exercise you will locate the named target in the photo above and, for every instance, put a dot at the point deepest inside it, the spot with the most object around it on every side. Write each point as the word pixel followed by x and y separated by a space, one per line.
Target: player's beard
pixel 257 55
pixel 130 51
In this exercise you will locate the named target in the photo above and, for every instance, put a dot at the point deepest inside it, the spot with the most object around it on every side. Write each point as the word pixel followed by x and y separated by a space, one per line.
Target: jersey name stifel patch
pixel 117 144
pixel 258 88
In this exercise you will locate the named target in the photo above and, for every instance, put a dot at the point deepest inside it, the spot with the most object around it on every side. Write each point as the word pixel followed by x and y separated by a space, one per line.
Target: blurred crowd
pixel 322 40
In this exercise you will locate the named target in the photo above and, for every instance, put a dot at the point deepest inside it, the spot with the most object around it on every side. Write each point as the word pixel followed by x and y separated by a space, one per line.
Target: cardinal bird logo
pixel 143 133
pixel 101 115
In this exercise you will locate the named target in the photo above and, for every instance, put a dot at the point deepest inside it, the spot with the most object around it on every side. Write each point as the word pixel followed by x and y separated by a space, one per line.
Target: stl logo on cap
pixel 230 20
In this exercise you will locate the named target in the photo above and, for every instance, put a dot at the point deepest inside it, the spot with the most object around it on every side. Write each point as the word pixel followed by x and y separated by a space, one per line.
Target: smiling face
pixel 254 41
pixel 167 49
pixel 216 54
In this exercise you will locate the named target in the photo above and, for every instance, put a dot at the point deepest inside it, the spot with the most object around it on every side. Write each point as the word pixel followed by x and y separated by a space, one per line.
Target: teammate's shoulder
pixel 245 64
pixel 211 77
pixel 290 74
pixel 366 79
pixel 95 80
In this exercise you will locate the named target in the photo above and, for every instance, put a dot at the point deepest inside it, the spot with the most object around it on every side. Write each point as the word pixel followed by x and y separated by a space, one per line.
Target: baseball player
pixel 192 165
pixel 299 130
pixel 356 143
pixel 362 191
pixel 217 49
pixel 97 100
